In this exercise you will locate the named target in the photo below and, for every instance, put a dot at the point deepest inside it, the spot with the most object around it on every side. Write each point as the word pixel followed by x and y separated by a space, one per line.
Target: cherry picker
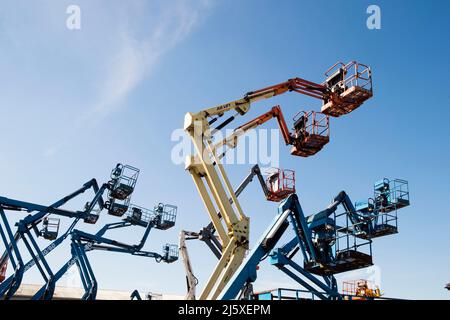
pixel 120 187
pixel 360 290
pixel 309 136
pixel 389 196
pixel 24 227
pixel 311 131
pixel 279 184
pixel 342 92
pixel 162 217
pixel 330 243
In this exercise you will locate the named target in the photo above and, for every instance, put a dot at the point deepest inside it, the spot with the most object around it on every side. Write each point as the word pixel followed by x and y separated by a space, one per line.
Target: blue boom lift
pixel 162 217
pixel 330 242
pixel 389 196
pixel 121 185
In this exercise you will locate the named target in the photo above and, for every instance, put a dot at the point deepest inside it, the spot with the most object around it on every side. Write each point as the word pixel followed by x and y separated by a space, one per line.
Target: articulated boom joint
pixel 240 232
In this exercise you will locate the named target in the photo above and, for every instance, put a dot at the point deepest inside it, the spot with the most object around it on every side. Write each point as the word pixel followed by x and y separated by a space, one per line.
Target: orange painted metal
pixel 275 112
pixel 346 88
pixel 311 133
pixel 360 289
pixel 349 85
pixel 280 184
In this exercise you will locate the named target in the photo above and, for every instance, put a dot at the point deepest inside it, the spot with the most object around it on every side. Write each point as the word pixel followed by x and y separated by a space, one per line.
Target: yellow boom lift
pixel 342 92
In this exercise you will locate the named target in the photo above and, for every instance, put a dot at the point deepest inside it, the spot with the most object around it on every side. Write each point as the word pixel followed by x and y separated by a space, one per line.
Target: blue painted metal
pixel 330 243
pixel 120 187
pixel 381 210
pixel 342 199
pixel 135 295
pixel 82 242
pixel 309 240
pixel 338 237
pixel 24 227
pixel 285 294
pixel 265 296
pixel 327 289
pixel 291 214
pixel 9 283
pixel 247 271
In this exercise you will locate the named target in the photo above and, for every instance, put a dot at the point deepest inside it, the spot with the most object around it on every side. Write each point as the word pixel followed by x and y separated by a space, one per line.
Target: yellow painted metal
pixel 214 187
pixel 216 191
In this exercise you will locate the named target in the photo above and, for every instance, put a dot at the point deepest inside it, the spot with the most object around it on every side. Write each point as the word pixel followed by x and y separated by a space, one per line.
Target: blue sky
pixel 74 103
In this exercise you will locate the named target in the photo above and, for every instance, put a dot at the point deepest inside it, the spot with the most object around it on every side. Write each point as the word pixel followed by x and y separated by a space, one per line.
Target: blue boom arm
pixel 83 242
pixel 247 271
pixel 359 222
pixel 9 287
pixel 291 214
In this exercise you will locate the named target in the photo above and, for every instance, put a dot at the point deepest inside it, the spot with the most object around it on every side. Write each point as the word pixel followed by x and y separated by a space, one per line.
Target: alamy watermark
pixel 72 276
pixel 374 20
pixel 258 146
pixel 73 21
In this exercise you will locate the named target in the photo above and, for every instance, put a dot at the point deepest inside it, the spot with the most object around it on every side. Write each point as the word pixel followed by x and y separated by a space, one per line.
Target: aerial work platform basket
pixel 123 181
pixel 360 290
pixel 311 133
pixel 379 223
pixel 346 260
pixel 50 228
pixel 170 253
pixel 286 294
pixel 92 214
pixel 338 240
pixel 280 184
pixel 118 207
pixel 162 216
pixel 389 196
pixel 350 85
pixel 166 215
pixel 352 251
pixel 137 215
pixel 91 218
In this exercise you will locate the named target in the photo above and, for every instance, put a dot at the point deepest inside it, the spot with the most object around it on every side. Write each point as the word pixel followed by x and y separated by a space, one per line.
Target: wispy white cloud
pixel 136 57
pixel 140 35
